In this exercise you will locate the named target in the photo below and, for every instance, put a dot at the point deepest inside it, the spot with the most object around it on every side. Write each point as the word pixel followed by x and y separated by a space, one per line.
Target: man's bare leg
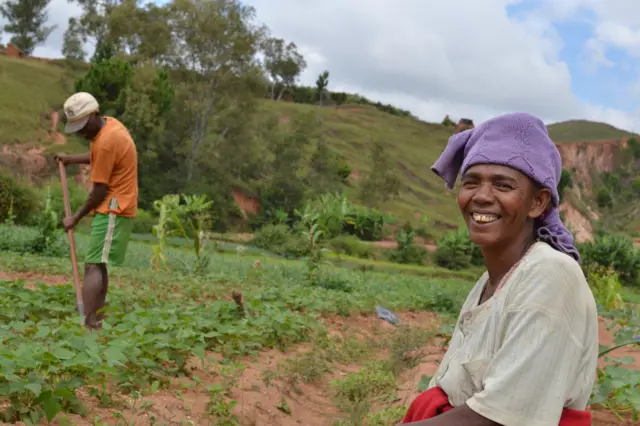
pixel 94 293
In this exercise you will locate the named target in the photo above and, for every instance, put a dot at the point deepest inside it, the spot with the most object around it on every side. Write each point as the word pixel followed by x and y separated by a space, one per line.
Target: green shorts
pixel 110 235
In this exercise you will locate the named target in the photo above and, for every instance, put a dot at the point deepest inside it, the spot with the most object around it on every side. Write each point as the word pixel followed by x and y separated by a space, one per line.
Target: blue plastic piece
pixel 386 315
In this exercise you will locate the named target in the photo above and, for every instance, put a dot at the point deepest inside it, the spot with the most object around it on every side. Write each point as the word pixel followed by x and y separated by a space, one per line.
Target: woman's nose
pixel 483 194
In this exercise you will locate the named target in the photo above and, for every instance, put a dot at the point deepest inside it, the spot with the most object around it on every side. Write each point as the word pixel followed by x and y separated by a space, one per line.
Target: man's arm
pixel 461 415
pixel 96 196
pixel 73 158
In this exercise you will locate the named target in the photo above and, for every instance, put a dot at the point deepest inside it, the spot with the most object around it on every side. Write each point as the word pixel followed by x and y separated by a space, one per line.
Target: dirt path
pixel 32 279
pixel 387 244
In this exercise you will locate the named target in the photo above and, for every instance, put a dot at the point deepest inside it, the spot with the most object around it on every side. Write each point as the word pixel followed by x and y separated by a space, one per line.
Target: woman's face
pixel 499 204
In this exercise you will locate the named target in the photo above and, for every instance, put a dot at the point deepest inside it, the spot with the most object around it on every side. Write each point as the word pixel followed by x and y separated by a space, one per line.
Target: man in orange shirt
pixel 113 199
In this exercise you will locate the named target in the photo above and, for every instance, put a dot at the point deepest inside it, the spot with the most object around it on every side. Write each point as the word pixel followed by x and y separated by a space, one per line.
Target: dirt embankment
pixel 582 159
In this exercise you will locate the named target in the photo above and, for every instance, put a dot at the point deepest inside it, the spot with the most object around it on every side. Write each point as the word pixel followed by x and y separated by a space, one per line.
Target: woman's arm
pixel 462 415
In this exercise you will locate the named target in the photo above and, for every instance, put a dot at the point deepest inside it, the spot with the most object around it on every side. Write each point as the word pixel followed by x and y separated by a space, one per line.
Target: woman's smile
pixel 484 218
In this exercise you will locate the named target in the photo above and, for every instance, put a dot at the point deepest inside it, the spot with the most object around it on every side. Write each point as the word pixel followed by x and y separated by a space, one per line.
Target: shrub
pixel 455 250
pixel 18 199
pixel 280 240
pixel 606 288
pixel 336 216
pixel 615 252
pixel 143 222
pixel 366 224
pixel 48 238
pixel 77 197
pixel 352 246
pixel 407 251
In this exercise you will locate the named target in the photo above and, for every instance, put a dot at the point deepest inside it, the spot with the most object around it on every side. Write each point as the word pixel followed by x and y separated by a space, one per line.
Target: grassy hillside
pixel 413 145
pixel 30 88
pixel 585 131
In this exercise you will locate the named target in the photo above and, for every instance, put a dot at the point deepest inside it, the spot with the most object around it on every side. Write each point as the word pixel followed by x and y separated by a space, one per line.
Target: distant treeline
pixel 309 95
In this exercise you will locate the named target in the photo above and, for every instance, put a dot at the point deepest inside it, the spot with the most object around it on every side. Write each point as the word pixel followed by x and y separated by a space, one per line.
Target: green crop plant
pixel 161 231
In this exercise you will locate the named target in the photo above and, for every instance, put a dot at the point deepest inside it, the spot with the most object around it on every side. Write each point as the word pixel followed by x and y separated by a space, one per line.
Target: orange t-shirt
pixel 114 161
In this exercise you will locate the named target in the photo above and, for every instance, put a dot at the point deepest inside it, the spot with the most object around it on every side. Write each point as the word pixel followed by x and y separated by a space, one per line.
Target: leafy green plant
pixel 336 216
pixel 312 233
pixel 456 251
pixel 280 239
pixel 10 219
pixel 387 416
pixel 352 246
pixel 372 382
pixel 47 241
pixel 17 197
pixel 408 252
pixel 144 222
pixel 53 190
pixel 606 288
pixel 187 220
pixel 161 231
pixel 190 220
pixel 617 388
pixel 616 252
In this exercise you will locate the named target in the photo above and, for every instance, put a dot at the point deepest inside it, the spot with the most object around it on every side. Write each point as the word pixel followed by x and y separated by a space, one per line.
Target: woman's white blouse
pixel 529 351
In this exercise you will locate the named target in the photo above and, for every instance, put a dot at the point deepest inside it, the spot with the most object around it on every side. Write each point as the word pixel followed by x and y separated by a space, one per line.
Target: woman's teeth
pixel 484 218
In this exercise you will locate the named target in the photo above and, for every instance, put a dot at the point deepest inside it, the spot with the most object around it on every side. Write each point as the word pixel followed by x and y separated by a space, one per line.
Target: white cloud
pixel 462 54
pixel 616 24
pixel 466 58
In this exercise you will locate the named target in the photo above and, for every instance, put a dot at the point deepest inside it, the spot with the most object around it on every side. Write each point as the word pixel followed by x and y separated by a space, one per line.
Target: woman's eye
pixel 468 184
pixel 503 185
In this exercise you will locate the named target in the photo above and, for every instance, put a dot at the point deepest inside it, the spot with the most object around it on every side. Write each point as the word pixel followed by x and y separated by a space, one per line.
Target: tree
pixel 72 42
pixel 27 19
pixel 380 185
pixel 94 21
pixel 285 186
pixel 143 33
pixel 148 99
pixel 283 63
pixel 327 169
pixel 107 80
pixel 321 86
pixel 216 42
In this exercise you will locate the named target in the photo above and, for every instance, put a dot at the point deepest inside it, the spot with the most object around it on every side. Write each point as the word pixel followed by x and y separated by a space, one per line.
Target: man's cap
pixel 78 108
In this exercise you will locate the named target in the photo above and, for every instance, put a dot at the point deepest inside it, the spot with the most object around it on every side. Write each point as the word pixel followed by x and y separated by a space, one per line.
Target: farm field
pixel 177 349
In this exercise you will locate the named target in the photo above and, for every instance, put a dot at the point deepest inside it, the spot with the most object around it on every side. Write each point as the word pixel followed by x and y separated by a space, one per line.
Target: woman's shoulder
pixel 544 258
pixel 549 278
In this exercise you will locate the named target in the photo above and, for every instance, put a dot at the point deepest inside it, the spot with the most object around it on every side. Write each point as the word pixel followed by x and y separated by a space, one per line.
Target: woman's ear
pixel 541 201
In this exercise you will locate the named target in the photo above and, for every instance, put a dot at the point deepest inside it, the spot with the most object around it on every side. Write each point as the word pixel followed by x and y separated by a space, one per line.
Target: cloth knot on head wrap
pixel 520 141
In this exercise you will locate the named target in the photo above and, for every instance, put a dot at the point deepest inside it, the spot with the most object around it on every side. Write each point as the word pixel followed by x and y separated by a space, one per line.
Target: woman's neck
pixel 500 260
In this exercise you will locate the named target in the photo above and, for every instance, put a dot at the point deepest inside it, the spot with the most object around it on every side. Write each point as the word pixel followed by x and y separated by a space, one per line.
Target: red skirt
pixel 434 402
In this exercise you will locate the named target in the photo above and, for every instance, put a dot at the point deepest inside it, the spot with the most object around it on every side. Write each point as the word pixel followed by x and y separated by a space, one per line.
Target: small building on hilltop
pixel 464 124
pixel 13 50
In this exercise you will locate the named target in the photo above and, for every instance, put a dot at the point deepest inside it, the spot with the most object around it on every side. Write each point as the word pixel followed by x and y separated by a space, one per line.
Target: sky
pixel 557 59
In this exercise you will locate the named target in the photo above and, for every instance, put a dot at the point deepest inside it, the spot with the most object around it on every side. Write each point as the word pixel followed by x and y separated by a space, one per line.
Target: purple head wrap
pixel 519 141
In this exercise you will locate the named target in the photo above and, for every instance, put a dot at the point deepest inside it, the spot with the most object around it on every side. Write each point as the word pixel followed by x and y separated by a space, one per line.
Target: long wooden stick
pixel 72 243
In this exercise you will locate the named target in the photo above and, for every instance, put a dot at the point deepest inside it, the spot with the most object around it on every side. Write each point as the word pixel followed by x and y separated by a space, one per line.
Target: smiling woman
pixel 525 347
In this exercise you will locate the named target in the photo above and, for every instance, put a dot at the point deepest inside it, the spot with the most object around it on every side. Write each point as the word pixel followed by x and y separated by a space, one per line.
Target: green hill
pixel 33 88
pixel 29 89
pixel 585 131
